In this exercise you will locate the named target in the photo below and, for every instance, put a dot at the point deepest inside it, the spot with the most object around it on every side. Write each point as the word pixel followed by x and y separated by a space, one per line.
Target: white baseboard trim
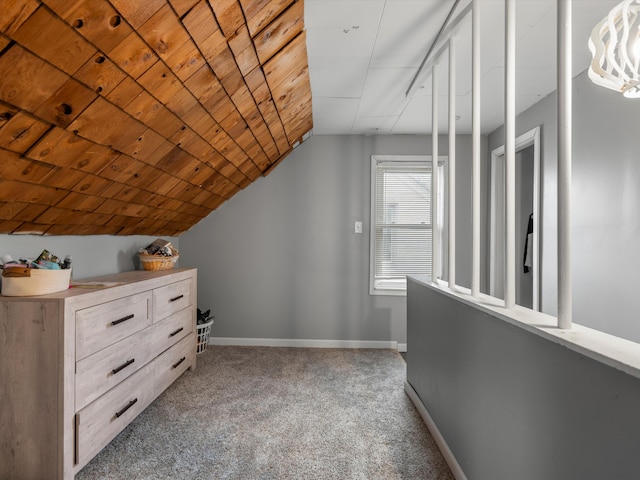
pixel 454 466
pixel 402 347
pixel 292 342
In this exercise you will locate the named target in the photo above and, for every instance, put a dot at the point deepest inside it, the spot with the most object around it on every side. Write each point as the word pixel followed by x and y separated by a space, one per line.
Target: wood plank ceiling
pixel 142 116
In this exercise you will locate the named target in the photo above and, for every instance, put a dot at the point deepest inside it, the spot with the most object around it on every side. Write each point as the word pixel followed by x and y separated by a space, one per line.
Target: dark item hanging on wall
pixel 528 244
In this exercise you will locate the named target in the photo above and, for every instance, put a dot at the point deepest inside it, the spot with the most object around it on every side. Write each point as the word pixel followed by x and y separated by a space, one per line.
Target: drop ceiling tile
pixel 338 63
pixel 342 13
pixel 525 101
pixel 537 82
pixel 339 42
pixel 374 125
pixel 491 48
pixel 425 87
pixel 348 82
pixel 590 13
pixel 416 117
pixel 528 12
pixel 407 30
pixel 401 41
pixel 535 50
pixel 531 81
pixel 334 116
pixel 584 20
pixel 384 91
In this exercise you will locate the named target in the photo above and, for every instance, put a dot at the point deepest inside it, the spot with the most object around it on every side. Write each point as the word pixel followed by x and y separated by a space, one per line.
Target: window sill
pixel 389 293
pixel 608 349
pixel 391 288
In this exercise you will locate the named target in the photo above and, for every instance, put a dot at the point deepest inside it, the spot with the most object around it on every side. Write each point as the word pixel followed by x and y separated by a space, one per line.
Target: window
pixel 401 230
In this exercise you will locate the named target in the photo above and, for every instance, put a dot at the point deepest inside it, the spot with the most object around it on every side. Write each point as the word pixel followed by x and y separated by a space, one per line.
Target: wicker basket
pixel 204 329
pixel 157 262
pixel 38 282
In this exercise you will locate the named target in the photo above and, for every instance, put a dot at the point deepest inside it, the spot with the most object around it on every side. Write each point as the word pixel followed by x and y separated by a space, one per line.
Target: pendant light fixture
pixel 615 48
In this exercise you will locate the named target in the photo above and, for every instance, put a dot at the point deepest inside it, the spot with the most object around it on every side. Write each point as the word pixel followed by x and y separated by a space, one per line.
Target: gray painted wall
pixel 605 200
pixel 512 405
pixel 281 259
pixel 543 114
pixel 93 255
pixel 524 161
pixel 524 207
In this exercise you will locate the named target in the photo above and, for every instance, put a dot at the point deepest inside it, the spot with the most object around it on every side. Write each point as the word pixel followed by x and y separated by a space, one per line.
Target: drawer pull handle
pixel 127 407
pixel 175 365
pixel 176 298
pixel 123 319
pixel 124 365
pixel 176 332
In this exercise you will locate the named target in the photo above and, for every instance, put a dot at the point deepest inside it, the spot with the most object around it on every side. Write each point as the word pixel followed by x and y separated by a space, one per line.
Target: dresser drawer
pixel 102 420
pixel 171 299
pixel 172 329
pixel 103 370
pixel 173 363
pixel 105 324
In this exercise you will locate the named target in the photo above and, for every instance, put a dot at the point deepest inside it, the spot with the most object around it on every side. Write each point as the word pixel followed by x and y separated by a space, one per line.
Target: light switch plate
pixel 358 227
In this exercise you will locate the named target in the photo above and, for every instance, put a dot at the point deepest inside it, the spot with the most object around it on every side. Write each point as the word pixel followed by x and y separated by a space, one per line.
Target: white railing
pixel 564 69
pixel 476 152
pixel 452 162
pixel 564 163
pixel 435 244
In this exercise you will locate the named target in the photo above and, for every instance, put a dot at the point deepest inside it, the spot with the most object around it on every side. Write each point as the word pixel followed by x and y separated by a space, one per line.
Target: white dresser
pixel 77 367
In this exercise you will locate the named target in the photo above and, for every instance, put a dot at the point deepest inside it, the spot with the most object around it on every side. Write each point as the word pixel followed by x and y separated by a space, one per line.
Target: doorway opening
pixel 527 221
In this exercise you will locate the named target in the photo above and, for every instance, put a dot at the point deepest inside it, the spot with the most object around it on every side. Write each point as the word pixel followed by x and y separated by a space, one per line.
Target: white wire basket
pixel 203 330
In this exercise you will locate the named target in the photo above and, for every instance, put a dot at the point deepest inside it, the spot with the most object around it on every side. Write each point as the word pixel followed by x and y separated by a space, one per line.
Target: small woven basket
pixel 157 262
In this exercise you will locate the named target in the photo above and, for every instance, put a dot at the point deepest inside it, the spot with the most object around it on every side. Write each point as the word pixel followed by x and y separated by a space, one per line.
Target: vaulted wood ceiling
pixel 142 116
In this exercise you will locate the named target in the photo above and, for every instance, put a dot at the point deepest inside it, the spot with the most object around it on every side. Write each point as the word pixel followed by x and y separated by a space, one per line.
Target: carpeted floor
pixel 278 413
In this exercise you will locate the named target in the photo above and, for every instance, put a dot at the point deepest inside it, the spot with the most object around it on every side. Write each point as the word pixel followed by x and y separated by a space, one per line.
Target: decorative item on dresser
pixel 76 367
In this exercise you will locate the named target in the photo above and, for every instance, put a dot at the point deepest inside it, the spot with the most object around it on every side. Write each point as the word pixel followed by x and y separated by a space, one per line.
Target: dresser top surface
pixel 123 280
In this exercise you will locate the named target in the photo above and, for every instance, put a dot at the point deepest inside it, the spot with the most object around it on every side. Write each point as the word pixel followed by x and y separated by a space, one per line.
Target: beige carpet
pixel 278 413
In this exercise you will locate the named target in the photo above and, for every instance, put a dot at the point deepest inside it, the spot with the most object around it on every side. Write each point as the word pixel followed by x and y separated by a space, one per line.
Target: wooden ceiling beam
pixel 260 13
pixel 14 14
pixel 280 32
pixel 149 113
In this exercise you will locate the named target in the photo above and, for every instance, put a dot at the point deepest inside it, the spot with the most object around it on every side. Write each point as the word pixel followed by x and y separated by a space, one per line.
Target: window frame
pixel 398 287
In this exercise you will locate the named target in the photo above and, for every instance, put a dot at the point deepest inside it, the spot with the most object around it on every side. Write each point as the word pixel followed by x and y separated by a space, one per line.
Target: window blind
pixel 402 222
